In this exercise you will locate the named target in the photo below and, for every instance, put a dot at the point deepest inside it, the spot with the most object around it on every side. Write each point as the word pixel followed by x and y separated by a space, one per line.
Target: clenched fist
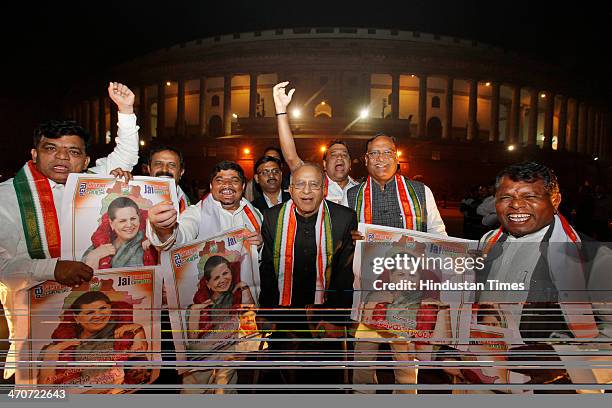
pixel 282 99
pixel 72 273
pixel 122 96
pixel 162 217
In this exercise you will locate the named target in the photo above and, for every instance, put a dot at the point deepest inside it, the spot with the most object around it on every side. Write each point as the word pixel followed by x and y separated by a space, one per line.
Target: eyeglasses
pixel 268 172
pixel 386 155
pixel 301 185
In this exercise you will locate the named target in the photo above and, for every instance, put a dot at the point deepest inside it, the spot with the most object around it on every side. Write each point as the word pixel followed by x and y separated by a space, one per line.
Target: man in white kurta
pixel 18 270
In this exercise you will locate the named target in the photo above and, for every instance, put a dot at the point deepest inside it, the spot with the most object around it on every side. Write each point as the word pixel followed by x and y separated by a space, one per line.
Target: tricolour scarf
pixel 411 208
pixel 284 242
pixel 210 213
pixel 183 200
pixel 38 213
pixel 567 272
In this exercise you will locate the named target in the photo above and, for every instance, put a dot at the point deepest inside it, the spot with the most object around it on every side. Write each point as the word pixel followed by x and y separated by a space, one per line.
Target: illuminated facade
pixel 448 101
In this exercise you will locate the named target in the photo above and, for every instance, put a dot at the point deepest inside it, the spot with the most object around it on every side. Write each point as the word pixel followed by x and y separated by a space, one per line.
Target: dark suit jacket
pixel 340 288
pixel 261 205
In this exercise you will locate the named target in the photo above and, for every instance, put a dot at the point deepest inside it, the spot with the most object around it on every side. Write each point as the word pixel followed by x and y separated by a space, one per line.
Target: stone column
pixel 548 120
pixel 114 118
pixel 252 95
pixel 395 97
pixel 562 134
pixel 494 122
pixel 227 105
pixel 161 109
pixel 532 136
pixel 102 120
pixel 144 117
pixel 472 130
pixel 573 146
pixel 422 129
pixel 366 82
pixel 515 115
pixel 86 118
pixel 93 115
pixel 582 127
pixel 448 120
pixel 590 133
pixel 180 109
pixel 202 106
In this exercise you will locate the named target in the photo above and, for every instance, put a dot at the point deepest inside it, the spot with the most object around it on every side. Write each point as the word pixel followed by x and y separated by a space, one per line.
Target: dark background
pixel 48 46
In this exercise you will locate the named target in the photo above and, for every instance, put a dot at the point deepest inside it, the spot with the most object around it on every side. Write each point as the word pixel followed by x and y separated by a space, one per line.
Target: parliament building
pixel 460 109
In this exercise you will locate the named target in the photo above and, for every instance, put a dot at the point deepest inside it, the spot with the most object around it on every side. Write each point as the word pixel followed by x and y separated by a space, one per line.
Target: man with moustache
pixel 307 260
pixel 336 158
pixel 221 210
pixel 268 175
pixel 30 240
pixel 390 199
pixel 167 161
pixel 252 190
pixel 562 270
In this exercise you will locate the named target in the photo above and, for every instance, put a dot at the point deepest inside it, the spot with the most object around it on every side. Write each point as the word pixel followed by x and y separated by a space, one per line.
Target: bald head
pixel 307 188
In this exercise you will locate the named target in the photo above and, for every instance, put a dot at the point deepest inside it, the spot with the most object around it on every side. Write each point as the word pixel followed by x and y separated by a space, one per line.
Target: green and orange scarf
pixel 38 213
pixel 284 242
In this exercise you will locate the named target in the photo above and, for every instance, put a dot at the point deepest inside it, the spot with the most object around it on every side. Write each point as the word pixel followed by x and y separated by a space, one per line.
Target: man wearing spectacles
pixel 268 175
pixel 387 198
pixel 307 260
pixel 336 157
pixel 394 201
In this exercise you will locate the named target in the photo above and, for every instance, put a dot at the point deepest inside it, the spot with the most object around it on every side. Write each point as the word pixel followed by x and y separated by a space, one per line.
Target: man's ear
pixel 86 164
pixel 324 166
pixel 256 178
pixel 146 169
pixel 34 155
pixel 182 172
pixel 556 200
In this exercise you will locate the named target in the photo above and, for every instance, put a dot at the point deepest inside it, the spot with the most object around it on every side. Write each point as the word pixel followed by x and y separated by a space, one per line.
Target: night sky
pixel 47 45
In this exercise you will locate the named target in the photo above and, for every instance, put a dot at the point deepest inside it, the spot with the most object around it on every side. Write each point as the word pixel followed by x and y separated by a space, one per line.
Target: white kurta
pixel 17 270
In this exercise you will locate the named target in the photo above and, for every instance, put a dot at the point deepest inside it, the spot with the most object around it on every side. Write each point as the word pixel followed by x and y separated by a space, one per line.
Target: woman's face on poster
pixel 94 316
pixel 399 275
pixel 220 278
pixel 126 223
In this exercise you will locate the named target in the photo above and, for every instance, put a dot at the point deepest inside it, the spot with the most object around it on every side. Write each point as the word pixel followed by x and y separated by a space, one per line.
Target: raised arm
pixel 281 103
pixel 125 154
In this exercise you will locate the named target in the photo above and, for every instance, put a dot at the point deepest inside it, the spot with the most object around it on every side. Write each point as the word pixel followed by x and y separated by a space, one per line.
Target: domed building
pixel 459 109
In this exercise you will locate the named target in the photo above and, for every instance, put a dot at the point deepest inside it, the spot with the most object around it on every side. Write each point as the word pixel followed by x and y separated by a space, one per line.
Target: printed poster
pixel 402 298
pixel 104 219
pixel 211 293
pixel 99 337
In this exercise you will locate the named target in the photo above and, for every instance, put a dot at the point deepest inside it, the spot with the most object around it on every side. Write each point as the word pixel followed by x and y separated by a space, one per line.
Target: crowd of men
pixel 308 221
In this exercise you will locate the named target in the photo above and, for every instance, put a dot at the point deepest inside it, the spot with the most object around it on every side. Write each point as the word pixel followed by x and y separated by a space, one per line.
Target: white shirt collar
pixel 279 198
pixel 533 237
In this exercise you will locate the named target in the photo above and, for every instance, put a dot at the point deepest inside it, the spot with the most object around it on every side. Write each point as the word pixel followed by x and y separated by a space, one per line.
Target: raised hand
pixel 282 99
pixel 122 96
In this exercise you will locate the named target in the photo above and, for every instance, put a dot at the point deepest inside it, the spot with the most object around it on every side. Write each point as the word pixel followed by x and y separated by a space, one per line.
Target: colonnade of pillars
pixel 588 129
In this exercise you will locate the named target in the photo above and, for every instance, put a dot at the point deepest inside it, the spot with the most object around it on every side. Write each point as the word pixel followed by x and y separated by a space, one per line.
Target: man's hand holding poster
pixel 104 219
pixel 99 337
pixel 210 288
pixel 406 280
